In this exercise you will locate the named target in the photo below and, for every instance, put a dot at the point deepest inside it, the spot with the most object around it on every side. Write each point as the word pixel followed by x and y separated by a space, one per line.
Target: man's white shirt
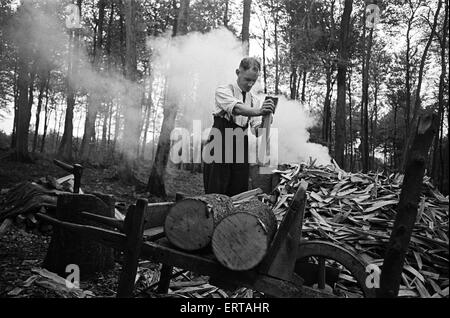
pixel 227 97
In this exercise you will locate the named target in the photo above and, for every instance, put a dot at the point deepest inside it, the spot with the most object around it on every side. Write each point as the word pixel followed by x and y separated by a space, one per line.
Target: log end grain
pixel 240 241
pixel 189 225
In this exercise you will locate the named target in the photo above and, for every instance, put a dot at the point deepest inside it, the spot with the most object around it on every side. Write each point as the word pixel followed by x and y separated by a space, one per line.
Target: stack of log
pixel 357 211
pixel 239 229
pixel 20 203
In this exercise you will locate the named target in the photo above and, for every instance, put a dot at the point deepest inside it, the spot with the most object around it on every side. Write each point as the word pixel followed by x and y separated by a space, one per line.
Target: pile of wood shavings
pixel 357 211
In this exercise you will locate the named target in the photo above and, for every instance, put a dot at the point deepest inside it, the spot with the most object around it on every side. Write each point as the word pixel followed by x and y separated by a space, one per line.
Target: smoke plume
pixel 195 64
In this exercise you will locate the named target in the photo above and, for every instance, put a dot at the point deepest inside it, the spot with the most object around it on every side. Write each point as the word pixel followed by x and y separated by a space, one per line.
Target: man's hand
pixel 267 108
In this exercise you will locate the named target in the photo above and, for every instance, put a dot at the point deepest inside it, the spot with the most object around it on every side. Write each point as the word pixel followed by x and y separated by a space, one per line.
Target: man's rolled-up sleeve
pixel 225 100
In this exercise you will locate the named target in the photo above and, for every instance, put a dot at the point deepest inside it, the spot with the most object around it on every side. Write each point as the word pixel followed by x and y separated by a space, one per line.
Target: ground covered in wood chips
pixel 352 210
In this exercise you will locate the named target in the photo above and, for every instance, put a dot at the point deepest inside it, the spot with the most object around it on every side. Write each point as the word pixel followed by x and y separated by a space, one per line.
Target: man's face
pixel 246 79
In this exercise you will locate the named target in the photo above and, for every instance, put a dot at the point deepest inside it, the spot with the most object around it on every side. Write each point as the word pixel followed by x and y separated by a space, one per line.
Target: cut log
pixel 242 239
pixel 190 223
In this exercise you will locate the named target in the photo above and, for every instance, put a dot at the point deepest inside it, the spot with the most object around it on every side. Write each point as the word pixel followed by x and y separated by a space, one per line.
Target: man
pixel 236 109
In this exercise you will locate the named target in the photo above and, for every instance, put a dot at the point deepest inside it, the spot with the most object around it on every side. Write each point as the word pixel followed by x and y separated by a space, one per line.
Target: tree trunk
pixel 89 127
pixel 417 101
pixel 246 26
pixel 23 84
pixel 148 112
pixel 190 222
pixel 94 98
pixel 408 74
pixel 16 105
pixel 264 60
pixel 60 121
pixel 437 167
pixel 407 207
pixel 350 115
pixel 72 248
pixel 132 107
pixel 341 82
pixel 47 116
pixel 326 125
pixel 156 180
pixel 226 19
pixel 65 148
pixel 304 87
pixel 293 79
pixel 374 123
pixel 277 59
pixel 43 84
pixel 365 100
pixel 394 142
pixel 106 117
pixel 242 239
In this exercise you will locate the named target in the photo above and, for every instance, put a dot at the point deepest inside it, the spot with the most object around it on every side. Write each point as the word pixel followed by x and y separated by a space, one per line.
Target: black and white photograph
pixel 215 156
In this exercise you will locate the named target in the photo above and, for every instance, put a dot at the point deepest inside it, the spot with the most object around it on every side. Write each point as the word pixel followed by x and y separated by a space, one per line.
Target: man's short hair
pixel 248 63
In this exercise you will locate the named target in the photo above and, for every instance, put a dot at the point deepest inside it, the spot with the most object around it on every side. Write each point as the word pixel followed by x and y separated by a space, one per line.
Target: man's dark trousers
pixel 229 178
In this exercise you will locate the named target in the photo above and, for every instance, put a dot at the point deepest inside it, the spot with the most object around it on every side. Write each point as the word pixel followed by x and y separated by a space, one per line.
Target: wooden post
pixel 164 280
pixel 77 172
pixel 68 247
pixel 166 270
pixel 134 225
pixel 280 260
pixel 407 207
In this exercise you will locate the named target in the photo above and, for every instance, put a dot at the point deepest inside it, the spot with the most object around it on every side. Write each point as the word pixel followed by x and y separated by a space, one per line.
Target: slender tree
pixel 367 53
pixel 94 98
pixel 246 26
pixel 417 99
pixel 155 183
pixel 23 83
pixel 132 109
pixel 341 83
pixel 44 79
pixel 438 162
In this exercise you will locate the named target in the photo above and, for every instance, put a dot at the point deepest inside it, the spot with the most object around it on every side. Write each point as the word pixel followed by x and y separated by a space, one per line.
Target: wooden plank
pixel 154 233
pixel 104 220
pixel 64 166
pixel 279 288
pixel 164 252
pixel 64 179
pixel 106 237
pixel 280 260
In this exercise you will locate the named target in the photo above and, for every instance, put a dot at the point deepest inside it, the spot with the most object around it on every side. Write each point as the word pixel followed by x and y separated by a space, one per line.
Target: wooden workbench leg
pixel 134 224
pixel 166 270
pixel 164 280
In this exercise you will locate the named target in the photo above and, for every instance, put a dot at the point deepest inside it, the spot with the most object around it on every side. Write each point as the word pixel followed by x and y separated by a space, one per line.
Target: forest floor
pixel 22 250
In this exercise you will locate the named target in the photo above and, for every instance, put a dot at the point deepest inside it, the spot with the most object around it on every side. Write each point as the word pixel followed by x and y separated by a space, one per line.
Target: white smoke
pixel 44 34
pixel 293 121
pixel 195 64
